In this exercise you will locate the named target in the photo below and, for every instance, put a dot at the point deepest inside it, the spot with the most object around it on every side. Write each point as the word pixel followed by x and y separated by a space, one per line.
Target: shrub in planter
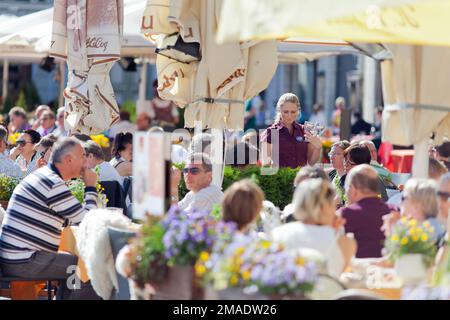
pixel 277 187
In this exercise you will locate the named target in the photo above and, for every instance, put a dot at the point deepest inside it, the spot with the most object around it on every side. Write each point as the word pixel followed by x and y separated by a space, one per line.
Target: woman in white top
pixel 316 228
pixel 123 154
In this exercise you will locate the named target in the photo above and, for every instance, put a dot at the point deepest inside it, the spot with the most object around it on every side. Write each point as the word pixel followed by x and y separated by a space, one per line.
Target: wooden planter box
pixel 178 284
pixel 240 294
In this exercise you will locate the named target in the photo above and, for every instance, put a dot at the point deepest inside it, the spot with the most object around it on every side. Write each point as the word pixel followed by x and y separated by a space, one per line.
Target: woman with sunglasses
pixel 26 156
pixel 123 154
pixel 44 149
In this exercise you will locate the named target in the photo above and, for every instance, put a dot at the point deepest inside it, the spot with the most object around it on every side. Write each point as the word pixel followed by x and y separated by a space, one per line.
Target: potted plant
pixel 412 248
pixel 255 268
pixel 162 257
pixel 7 186
pixel 77 186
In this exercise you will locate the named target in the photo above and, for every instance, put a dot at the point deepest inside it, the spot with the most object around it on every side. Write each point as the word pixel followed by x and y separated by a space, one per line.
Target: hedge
pixel 278 188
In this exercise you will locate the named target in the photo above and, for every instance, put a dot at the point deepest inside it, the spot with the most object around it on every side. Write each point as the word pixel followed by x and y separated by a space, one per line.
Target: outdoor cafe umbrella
pixel 416 102
pixel 212 81
pixel 417 99
pixel 87 34
pixel 423 22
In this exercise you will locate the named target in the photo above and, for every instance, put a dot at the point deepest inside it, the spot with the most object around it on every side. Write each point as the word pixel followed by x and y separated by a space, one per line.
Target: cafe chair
pixel 118 239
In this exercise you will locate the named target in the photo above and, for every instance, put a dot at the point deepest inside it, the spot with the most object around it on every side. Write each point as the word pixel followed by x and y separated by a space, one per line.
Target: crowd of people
pixel 342 212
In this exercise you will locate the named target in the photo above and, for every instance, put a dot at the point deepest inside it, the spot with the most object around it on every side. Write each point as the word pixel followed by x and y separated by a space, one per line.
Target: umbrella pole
pixel 420 161
pixel 62 82
pixel 5 82
pixel 142 87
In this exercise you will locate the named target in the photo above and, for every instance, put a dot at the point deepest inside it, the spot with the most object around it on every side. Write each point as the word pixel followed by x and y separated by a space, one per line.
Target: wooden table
pixel 69 245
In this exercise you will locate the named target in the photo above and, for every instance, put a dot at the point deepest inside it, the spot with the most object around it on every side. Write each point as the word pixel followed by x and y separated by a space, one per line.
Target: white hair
pixel 423 192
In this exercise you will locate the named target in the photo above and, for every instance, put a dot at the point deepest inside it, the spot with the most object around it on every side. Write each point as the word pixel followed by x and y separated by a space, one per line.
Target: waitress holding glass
pixel 295 146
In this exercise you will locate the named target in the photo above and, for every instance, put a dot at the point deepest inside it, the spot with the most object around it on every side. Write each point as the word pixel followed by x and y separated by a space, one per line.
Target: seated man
pixel 383 173
pixel 96 157
pixel 365 211
pixel 198 177
pixel 31 231
pixel 7 166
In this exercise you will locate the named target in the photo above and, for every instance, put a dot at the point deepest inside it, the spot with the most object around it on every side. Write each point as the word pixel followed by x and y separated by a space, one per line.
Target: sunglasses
pixel 22 142
pixel 193 171
pixel 443 195
pixel 403 198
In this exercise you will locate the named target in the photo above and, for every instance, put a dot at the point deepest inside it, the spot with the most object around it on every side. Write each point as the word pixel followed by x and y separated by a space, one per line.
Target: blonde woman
pixel 419 202
pixel 294 147
pixel 314 210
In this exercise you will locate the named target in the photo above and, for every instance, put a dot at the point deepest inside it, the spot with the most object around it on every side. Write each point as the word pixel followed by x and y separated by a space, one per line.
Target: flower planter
pixel 180 284
pixel 241 294
pixel 411 268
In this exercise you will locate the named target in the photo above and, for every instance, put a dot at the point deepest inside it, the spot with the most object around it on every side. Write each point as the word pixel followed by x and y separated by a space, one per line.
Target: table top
pixel 399 153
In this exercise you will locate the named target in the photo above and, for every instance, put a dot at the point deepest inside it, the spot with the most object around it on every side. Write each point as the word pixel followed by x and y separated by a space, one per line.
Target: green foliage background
pixel 278 188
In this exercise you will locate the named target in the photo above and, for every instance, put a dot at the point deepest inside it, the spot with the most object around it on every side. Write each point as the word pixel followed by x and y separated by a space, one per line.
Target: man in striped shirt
pixel 31 231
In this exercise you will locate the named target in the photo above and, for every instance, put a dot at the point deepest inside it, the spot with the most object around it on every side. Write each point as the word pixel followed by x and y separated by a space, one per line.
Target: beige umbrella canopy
pixel 90 42
pixel 212 81
pixel 416 93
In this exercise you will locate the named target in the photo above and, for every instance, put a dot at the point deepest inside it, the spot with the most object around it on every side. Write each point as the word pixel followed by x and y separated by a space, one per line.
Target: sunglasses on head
pixel 443 195
pixel 193 171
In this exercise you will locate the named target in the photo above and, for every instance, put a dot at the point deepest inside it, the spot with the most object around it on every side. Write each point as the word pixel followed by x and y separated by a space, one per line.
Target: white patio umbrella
pixel 416 93
pixel 90 43
pixel 30 36
pixel 423 22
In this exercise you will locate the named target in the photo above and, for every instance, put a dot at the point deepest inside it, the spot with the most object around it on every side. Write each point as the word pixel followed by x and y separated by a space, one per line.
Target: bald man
pixel 383 173
pixel 365 210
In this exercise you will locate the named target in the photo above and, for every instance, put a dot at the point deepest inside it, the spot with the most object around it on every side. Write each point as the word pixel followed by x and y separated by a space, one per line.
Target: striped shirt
pixel 36 213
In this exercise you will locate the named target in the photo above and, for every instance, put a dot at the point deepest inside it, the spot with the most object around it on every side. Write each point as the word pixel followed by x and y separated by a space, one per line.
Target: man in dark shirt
pixel 364 214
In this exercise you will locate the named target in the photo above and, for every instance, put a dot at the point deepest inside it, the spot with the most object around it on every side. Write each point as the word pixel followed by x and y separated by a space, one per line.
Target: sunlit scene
pixel 224 155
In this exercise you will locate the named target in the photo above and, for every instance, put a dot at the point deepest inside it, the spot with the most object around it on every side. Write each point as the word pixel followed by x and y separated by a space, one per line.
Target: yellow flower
pixel 265 244
pixel 234 280
pixel 239 251
pixel 412 231
pixel 419 230
pixel 430 229
pixel 412 223
pixel 300 261
pixel 204 256
pixel 394 238
pixel 424 237
pixel 404 241
pixel 246 275
pixel 404 219
pixel 13 138
pixel 415 238
pixel 200 269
